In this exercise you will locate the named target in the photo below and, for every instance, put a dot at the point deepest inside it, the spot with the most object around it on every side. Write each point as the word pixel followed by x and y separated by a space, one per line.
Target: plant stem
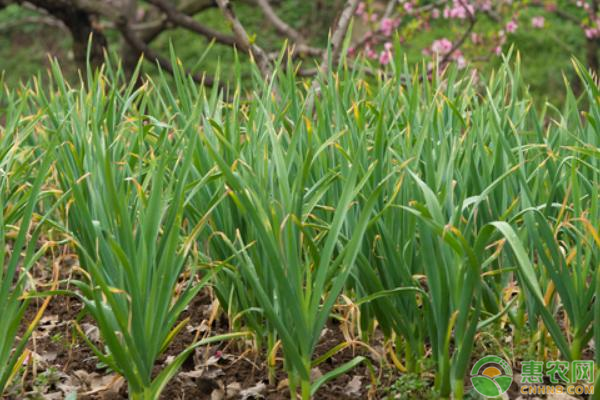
pixel 305 385
pixel 576 348
pixel 459 389
pixel 410 359
pixel 293 385
pixel 144 394
pixel 271 365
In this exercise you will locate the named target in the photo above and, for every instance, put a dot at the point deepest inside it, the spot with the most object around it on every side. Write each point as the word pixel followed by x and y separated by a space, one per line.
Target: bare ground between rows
pixel 62 363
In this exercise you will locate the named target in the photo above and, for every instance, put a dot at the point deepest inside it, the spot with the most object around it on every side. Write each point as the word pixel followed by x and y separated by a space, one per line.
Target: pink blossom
pixel 435 13
pixel 485 5
pixel 592 33
pixel 385 57
pixel 370 52
pixel 441 46
pixel 476 38
pixel 538 22
pixel 458 10
pixel 408 7
pixel 387 26
pixel 469 8
pixel 498 50
pixel 511 26
pixel 361 8
pixel 461 62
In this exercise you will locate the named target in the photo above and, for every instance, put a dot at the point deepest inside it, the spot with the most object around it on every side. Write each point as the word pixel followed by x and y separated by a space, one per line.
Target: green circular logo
pixel 491 376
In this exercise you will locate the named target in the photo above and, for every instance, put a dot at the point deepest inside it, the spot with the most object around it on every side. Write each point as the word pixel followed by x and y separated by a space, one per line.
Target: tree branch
pixel 286 30
pixel 192 7
pixel 389 9
pixel 465 35
pixel 337 38
pixel 242 39
pixel 560 13
pixel 185 21
pixel 33 20
pixel 143 49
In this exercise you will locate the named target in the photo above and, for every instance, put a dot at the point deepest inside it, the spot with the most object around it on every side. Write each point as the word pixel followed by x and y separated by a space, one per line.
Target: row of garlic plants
pixel 435 205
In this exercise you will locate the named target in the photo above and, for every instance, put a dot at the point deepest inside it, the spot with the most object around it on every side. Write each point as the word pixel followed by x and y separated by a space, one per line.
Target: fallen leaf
pixel 283 384
pixel 217 394
pixel 233 390
pixel 91 331
pixel 46 325
pixel 48 356
pixel 315 374
pixel 254 392
pixel 191 374
pixel 353 387
pixel 54 396
pixel 203 327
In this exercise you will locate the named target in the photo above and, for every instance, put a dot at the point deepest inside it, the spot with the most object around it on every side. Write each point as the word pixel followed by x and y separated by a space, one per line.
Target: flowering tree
pixel 459 32
pixel 484 26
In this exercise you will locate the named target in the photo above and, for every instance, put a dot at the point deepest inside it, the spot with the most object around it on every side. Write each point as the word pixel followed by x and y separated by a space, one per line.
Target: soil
pixel 62 363
pixel 70 364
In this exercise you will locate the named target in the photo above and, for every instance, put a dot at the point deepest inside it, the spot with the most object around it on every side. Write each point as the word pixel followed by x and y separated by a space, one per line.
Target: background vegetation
pixel 28 39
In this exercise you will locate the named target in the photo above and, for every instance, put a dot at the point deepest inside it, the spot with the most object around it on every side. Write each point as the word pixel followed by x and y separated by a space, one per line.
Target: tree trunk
pixel 82 25
pixel 129 56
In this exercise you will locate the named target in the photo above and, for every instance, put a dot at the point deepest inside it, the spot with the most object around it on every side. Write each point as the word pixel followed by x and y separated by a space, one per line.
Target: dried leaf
pixel 255 392
pixel 233 390
pixel 217 394
pixel 353 387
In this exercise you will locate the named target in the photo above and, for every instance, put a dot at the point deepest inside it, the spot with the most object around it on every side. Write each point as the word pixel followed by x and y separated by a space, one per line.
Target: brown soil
pixel 62 362
pixel 63 355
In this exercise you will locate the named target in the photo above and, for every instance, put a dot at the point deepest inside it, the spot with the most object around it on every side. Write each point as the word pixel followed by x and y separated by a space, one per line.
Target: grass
pixel 438 209
pixel 19 196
